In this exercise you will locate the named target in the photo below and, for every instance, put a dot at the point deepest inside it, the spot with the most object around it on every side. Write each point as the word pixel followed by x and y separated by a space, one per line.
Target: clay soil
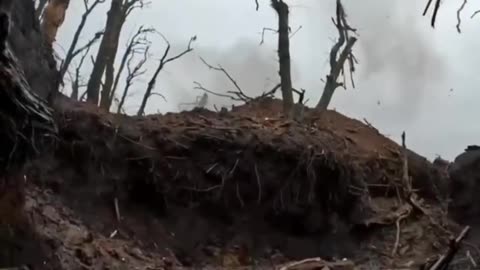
pixel 229 190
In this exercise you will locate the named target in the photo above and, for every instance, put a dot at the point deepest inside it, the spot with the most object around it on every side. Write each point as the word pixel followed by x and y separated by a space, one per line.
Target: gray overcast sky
pixel 404 78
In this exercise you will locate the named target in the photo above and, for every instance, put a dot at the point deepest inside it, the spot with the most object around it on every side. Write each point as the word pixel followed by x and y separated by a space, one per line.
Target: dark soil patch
pixel 237 188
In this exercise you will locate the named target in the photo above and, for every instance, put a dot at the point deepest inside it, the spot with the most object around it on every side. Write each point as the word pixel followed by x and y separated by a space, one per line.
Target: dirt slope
pixel 229 190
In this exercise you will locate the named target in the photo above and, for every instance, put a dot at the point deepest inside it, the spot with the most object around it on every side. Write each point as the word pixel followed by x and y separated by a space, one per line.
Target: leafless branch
pixel 160 95
pixel 459 11
pixel 232 97
pixel 133 72
pixel 89 44
pixel 131 5
pixel 271 92
pixel 435 11
pixel 295 32
pixel 257 6
pixel 475 14
pixel 138 43
pixel 263 33
pixel 72 52
pixel 163 61
pixel 76 81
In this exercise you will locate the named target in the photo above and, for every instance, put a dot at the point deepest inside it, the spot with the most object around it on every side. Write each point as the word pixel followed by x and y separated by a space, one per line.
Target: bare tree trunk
pixel 53 18
pixel 337 64
pixel 95 80
pixel 284 56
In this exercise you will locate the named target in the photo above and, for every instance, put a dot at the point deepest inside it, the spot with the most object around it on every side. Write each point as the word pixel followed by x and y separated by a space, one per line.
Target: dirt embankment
pixel 230 189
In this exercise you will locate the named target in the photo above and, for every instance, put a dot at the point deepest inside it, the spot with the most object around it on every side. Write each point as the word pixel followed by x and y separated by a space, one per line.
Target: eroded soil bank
pixel 231 189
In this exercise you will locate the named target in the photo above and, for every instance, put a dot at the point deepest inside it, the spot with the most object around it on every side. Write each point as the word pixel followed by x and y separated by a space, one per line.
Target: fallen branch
pixel 117 209
pixel 446 259
pixel 314 263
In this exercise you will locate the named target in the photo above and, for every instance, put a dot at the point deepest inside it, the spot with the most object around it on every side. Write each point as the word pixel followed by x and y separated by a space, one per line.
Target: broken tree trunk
pixel 284 56
pixel 337 61
pixel 332 84
pixel 53 18
pixel 104 53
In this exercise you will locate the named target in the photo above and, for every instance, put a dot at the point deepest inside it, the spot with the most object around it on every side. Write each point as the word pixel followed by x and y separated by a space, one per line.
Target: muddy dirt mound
pixel 238 188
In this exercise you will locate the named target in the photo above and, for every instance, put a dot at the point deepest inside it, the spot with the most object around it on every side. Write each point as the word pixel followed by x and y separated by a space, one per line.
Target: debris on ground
pixel 235 189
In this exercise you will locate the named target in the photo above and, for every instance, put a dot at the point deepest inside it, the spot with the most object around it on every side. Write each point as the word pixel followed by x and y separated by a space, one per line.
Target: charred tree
pixel 133 72
pixel 337 61
pixel 116 17
pixel 53 18
pixel 72 50
pixel 163 61
pixel 284 56
pixel 137 44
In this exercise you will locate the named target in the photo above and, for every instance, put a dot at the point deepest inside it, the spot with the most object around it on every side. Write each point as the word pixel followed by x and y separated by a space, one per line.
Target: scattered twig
pixel 259 198
pixel 204 189
pixel 113 234
pixel 445 259
pixel 318 262
pixel 233 168
pixel 239 196
pixel 117 209
pixel 397 235
pixel 472 261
